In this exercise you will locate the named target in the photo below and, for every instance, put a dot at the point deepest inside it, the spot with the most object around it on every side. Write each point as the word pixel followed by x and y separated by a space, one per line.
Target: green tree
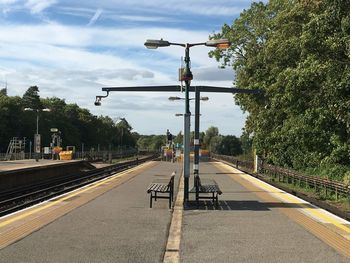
pixel 77 125
pixel 215 144
pixel 151 142
pixel 3 92
pixel 123 131
pixel 31 98
pixel 11 119
pixel 179 138
pixel 298 53
pixel 230 145
pixel 246 143
pixel 210 133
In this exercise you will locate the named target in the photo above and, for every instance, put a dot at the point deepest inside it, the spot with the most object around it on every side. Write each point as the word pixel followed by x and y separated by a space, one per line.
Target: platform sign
pixel 47 150
pixel 37 143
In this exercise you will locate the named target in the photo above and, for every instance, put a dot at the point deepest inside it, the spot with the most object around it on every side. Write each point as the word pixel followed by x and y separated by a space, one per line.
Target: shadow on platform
pixel 241 205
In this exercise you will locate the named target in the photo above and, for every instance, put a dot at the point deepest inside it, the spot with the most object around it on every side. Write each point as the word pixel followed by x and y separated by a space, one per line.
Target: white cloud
pixel 213 74
pixel 37 6
pixel 7 2
pixel 56 34
pixel 95 17
pixel 178 7
pixel 74 62
pixel 142 18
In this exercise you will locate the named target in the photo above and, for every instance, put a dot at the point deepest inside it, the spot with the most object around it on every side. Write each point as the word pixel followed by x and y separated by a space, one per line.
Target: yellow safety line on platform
pixel 322 231
pixel 287 197
pixel 62 199
pixel 172 250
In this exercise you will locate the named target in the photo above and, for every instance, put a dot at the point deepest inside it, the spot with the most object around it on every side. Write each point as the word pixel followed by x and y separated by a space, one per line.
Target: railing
pixel 283 175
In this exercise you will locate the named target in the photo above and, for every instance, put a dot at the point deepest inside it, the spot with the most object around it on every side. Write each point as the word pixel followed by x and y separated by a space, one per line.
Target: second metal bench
pixel 206 186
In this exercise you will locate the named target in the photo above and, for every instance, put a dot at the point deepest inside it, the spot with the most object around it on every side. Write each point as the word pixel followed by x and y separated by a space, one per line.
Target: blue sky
pixel 70 49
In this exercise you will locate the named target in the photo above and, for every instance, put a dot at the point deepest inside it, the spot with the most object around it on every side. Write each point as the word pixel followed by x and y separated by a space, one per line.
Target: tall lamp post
pixel 37 138
pixel 187 77
pixel 197 114
pixel 175 88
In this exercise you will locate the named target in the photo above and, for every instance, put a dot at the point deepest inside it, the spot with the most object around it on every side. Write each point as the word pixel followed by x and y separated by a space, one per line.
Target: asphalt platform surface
pixel 21 164
pixel 118 226
pixel 245 229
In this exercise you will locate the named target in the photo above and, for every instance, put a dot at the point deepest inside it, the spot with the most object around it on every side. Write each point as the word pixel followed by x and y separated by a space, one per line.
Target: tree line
pixel 210 140
pixel 298 53
pixel 77 125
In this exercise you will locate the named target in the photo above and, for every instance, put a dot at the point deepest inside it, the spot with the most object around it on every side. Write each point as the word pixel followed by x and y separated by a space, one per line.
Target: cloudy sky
pixel 71 49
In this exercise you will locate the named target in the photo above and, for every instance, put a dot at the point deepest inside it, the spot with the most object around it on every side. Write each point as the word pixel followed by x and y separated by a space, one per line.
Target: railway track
pixel 20 198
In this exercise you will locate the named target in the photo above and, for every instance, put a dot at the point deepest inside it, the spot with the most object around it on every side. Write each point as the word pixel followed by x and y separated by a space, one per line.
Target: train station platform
pixel 110 221
pixel 255 222
pixel 22 164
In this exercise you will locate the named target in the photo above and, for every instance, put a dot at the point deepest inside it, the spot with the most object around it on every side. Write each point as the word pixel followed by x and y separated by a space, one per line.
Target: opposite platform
pixel 22 164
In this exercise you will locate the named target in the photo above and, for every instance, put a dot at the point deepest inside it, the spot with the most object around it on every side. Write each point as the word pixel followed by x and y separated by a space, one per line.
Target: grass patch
pixel 343 203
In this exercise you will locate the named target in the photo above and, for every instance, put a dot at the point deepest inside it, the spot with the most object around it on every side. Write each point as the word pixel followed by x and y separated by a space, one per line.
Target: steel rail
pixel 5 195
pixel 42 192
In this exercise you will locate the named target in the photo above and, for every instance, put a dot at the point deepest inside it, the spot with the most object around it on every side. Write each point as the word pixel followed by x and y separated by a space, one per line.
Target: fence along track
pixel 289 176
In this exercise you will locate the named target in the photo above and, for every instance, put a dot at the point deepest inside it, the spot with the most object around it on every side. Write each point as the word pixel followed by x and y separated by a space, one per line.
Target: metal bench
pixel 206 186
pixel 164 187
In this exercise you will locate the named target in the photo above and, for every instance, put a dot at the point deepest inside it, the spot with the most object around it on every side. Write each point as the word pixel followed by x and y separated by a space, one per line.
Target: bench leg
pixel 172 192
pixel 170 197
pixel 150 201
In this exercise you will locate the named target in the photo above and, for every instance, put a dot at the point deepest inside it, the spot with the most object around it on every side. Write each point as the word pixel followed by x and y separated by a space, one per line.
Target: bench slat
pixel 206 188
pixel 159 186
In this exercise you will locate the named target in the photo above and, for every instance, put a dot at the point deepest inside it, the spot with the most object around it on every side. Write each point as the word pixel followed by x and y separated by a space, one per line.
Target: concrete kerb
pixel 172 250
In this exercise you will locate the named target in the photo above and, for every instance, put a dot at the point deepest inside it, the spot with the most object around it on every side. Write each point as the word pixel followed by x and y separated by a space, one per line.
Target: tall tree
pixel 297 52
pixel 179 138
pixel 210 133
pixel 31 98
pixel 123 129
pixel 230 145
pixel 3 92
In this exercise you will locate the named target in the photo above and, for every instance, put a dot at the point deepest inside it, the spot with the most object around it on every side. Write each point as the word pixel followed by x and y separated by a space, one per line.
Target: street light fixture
pixel 187 77
pixel 218 43
pixel 154 44
pixel 37 138
pixel 178 98
pixel 181 114
pixel 37 116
